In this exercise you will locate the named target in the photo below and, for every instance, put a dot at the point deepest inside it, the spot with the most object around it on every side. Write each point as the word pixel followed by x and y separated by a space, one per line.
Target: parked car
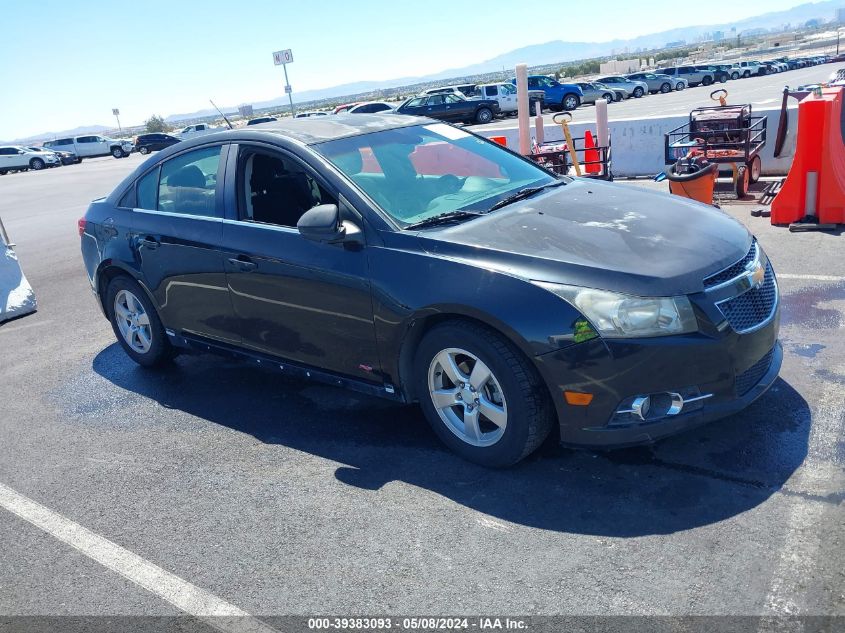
pixel 371 107
pixel 18 158
pixel 693 76
pixel 90 146
pixel 310 113
pixel 750 68
pixel 654 82
pixel 557 96
pixel 462 90
pixel 198 129
pixel 505 95
pixel 450 107
pixel 633 87
pixel 344 107
pixel 154 142
pixel 592 91
pixel 261 119
pixel 65 158
pixel 720 75
pixel 422 263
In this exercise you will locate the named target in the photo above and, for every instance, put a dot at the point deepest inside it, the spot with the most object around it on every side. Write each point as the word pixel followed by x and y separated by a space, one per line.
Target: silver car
pixel 633 88
pixel 655 82
pixel 594 91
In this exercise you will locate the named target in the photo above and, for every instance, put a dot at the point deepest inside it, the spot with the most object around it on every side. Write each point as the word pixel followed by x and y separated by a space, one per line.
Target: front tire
pixel 484 115
pixel 136 324
pixel 638 92
pixel 680 86
pixel 707 80
pixel 36 164
pixel 118 152
pixel 607 97
pixel 735 76
pixel 144 150
pixel 666 87
pixel 481 395
pixel 570 102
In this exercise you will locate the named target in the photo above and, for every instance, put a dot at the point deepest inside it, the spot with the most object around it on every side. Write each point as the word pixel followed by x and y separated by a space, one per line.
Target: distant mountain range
pixel 534 55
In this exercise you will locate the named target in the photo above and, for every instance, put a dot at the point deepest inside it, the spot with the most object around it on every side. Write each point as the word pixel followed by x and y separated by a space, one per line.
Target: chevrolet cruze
pixel 410 259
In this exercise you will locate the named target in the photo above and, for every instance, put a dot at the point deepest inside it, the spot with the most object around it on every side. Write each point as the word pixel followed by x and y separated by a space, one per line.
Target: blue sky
pixel 68 62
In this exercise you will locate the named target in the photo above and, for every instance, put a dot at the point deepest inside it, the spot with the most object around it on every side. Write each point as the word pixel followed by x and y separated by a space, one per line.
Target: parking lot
pixel 276 496
pixel 760 92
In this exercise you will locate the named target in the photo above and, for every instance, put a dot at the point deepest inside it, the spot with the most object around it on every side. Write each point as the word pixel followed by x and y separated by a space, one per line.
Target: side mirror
pixel 322 224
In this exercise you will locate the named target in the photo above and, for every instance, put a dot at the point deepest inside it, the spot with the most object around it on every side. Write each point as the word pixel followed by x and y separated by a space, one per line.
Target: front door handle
pixel 150 242
pixel 243 262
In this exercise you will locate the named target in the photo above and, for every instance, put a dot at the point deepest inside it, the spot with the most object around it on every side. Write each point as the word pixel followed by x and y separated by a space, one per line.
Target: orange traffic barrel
pixel 697 185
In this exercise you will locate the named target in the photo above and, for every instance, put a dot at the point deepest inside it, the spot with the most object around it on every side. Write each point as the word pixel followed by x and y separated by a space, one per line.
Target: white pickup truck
pixel 92 145
pixel 197 129
pixel 505 94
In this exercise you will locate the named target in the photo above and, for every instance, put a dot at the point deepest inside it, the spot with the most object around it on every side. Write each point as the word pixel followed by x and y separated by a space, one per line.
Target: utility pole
pixel 116 113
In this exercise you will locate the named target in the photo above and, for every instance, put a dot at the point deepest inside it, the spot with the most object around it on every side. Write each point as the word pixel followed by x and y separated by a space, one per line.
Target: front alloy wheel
pixel 144 150
pixel 570 102
pixel 468 397
pixel 118 152
pixel 638 92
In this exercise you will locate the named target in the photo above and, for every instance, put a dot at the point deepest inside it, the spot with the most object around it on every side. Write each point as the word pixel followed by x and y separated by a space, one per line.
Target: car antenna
pixel 221 114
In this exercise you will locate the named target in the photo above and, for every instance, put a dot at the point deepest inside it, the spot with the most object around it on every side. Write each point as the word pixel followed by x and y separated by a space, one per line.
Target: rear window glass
pixel 148 190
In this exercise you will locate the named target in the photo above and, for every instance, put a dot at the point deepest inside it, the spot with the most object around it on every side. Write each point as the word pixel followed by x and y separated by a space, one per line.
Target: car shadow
pixel 698 478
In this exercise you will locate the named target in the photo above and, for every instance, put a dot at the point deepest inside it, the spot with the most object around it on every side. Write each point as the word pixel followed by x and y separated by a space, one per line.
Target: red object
pixel 819 148
pixel 81 224
pixel 591 154
pixel 501 140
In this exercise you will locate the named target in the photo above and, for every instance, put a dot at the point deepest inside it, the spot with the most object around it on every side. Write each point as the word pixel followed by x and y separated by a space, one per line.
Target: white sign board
pixel 288 89
pixel 283 57
pixel 115 112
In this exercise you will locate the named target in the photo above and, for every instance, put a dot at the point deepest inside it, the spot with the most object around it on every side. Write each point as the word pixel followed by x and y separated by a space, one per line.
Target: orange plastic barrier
pixel 820 160
pixel 591 154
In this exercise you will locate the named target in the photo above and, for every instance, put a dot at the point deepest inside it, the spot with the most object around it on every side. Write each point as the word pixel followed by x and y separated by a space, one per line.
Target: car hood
pixel 600 235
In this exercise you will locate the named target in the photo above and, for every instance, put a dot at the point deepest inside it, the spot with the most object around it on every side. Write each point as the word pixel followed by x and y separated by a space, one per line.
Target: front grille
pixel 750 377
pixel 732 271
pixel 753 307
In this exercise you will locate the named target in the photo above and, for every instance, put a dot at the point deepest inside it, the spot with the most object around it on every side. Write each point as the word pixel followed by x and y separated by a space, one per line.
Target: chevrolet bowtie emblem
pixel 756 274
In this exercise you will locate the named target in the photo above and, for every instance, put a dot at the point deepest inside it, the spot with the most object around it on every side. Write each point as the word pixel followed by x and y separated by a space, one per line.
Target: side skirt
pixel 201 345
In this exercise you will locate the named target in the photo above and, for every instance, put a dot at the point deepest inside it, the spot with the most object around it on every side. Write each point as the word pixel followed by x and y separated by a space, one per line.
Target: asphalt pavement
pixel 269 496
pixel 760 92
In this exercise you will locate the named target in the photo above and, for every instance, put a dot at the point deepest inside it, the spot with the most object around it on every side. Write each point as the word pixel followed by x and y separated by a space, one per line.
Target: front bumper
pixel 615 370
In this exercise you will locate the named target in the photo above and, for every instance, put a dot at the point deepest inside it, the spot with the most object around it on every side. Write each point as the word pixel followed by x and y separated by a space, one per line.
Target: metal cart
pixel 723 134
pixel 556 158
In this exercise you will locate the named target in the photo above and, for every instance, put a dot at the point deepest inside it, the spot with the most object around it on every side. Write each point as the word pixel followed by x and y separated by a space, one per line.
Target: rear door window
pixel 188 183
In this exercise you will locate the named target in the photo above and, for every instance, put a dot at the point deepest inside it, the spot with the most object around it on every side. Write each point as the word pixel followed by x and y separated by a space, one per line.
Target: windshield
pixel 418 172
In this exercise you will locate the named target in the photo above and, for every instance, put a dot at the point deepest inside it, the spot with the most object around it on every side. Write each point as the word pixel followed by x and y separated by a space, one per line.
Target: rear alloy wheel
pixel 746 74
pixel 638 92
pixel 136 324
pixel 484 115
pixel 480 394
pixel 680 86
pixel 36 164
pixel 570 102
pixel 144 150
pixel 735 76
pixel 666 87
pixel 723 79
pixel 755 169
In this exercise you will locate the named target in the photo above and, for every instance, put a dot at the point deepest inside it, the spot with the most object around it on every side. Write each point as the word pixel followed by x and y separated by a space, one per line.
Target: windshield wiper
pixel 525 193
pixel 444 218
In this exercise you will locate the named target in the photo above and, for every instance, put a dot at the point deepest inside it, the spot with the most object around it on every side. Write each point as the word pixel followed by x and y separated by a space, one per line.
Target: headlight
pixel 616 315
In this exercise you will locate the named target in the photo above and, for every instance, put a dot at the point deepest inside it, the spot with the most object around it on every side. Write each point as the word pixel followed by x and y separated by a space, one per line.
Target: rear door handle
pixel 243 262
pixel 150 242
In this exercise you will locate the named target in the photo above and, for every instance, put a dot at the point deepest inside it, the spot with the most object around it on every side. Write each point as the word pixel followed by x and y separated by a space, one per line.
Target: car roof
pixel 313 130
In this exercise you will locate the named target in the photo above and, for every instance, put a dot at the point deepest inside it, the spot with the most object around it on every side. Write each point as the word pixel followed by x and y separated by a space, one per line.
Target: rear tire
pixel 36 164
pixel 134 318
pixel 735 76
pixel 144 150
pixel 484 115
pixel 742 183
pixel 666 87
pixel 746 74
pixel 505 385
pixel 680 86
pixel 607 97
pixel 707 80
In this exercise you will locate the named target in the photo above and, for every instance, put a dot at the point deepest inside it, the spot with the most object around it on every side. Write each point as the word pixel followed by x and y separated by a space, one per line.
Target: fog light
pixel 641 406
pixel 660 405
